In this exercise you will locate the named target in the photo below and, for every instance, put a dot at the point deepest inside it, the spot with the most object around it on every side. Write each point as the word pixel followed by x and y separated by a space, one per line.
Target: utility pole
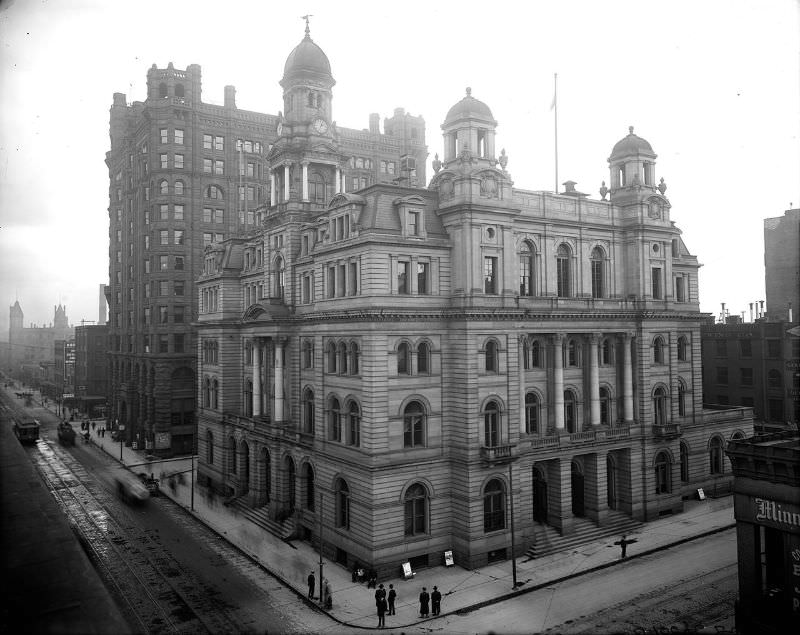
pixel 321 601
pixel 513 543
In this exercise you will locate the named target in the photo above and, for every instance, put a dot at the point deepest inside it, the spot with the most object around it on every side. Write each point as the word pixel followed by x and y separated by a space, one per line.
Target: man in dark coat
pixel 424 598
pixel 391 597
pixel 436 601
pixel 381 607
pixel 312 581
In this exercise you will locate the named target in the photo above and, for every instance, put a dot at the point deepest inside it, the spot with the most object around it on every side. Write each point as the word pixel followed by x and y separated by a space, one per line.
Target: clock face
pixel 320 125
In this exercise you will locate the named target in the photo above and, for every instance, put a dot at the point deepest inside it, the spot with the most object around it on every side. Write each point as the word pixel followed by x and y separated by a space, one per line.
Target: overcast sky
pixel 714 86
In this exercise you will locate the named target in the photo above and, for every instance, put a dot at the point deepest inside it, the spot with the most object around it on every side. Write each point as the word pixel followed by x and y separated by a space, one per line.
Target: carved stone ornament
pixel 503 159
pixel 488 187
pixel 603 191
pixel 446 188
pixel 654 210
pixel 437 165
pixel 662 187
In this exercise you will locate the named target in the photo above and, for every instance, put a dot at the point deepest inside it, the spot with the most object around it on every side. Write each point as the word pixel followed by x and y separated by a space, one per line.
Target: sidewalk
pixel 354 604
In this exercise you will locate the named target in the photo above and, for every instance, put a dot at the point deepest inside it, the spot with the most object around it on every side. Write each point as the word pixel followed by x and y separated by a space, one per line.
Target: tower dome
pixel 632 144
pixel 469 108
pixel 307 61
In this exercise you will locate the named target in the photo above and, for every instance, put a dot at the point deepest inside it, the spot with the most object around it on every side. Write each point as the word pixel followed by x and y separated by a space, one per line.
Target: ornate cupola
pixel 307 83
pixel 469 170
pixel 632 164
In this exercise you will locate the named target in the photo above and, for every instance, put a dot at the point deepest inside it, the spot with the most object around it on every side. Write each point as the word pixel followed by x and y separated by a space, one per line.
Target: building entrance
pixel 539 497
pixel 578 507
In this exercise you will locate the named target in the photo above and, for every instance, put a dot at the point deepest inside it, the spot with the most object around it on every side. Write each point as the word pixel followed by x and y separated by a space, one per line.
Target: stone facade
pixel 416 357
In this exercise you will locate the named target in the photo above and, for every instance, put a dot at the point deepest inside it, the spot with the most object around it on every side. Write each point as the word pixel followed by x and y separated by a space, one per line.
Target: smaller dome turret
pixel 632 164
pixel 307 61
pixel 632 144
pixel 469 108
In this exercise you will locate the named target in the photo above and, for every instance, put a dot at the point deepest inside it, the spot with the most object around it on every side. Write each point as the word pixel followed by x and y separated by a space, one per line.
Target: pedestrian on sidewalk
pixel 381 608
pixel 326 589
pixel 93 425
pixel 623 545
pixel 312 581
pixel 391 597
pixel 380 594
pixel 424 599
pixel 436 601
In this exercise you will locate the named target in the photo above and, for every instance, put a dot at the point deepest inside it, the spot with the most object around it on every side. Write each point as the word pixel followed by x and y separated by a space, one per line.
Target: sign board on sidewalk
pixel 121 427
pixel 701 495
pixel 407 573
pixel 448 559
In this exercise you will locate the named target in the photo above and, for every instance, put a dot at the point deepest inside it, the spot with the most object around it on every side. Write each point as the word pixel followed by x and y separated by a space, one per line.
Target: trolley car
pixel 26 428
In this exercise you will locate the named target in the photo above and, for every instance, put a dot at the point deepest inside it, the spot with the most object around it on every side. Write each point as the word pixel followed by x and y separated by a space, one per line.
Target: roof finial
pixel 630 129
pixel 306 17
pixel 469 92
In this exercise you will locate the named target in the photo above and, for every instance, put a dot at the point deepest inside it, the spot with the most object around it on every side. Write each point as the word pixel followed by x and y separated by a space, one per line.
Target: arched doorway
pixel 611 482
pixel 539 497
pixel 244 478
pixel 265 476
pixel 578 508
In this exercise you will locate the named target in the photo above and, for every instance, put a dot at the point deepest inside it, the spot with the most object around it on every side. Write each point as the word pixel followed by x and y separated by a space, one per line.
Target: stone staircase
pixel 547 540
pixel 260 517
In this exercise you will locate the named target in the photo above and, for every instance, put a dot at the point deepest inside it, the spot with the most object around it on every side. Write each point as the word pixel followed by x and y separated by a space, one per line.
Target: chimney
pixel 230 97
pixel 374 123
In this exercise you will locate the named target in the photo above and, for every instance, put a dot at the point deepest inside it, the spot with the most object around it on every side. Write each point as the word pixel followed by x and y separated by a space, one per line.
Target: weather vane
pixel 306 17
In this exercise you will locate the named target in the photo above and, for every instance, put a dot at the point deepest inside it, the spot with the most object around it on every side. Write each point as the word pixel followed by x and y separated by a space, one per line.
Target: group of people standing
pixel 429 603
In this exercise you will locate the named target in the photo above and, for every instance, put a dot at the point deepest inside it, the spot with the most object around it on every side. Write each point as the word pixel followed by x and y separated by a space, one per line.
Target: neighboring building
pixel 183 174
pixel 393 363
pixel 756 365
pixel 91 369
pixel 64 372
pixel 782 265
pixel 766 489
pixel 30 345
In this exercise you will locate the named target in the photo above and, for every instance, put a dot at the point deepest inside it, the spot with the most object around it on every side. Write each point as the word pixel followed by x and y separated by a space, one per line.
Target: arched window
pixel 213 191
pixel 570 412
pixel 210 447
pixel 658 350
pixel 162 90
pixel 342 504
pixel 494 506
pixel 526 355
pixel 491 356
pixel 660 406
pixel 525 269
pixel 416 510
pixel 179 188
pixel 715 456
pixel 563 271
pixel 684 463
pixel 414 425
pixel 663 473
pixel 309 477
pixel 279 278
pixel 605 407
pixel 683 349
pixel 308 411
pixel 354 425
pixel 531 413
pixel 179 90
pixel 332 357
pixel 232 454
pixel 316 188
pixel 606 349
pixel 343 358
pixel 163 186
pixel 214 393
pixel 681 398
pixel 598 276
pixel 491 425
pixel 354 358
pixel 403 359
pixel 423 358
pixel 536 354
pixel 334 420
pixel 774 379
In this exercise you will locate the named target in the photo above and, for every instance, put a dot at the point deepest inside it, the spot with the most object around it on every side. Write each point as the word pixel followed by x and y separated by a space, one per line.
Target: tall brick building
pixel 396 363
pixel 183 174
pixel 782 266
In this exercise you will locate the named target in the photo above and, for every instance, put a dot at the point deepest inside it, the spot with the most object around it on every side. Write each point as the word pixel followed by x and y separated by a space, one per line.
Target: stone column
pixel 305 181
pixel 279 398
pixel 286 180
pixel 273 195
pixel 594 381
pixel 338 180
pixel 257 348
pixel 558 381
pixel 627 379
pixel 560 495
pixel 596 488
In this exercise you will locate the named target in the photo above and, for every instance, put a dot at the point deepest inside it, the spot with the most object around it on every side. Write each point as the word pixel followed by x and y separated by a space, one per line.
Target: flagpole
pixel 555 108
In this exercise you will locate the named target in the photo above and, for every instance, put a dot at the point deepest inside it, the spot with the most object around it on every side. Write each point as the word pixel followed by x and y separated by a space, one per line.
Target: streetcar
pixel 66 435
pixel 130 488
pixel 26 429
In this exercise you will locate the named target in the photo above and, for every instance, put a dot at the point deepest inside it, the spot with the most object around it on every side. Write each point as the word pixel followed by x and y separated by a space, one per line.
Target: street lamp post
pixel 191 477
pixel 513 543
pixel 321 600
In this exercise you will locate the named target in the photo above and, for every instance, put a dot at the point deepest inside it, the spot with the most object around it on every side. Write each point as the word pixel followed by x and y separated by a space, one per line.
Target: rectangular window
pixel 163 343
pixel 721 348
pixel 422 278
pixel 207 165
pixel 178 136
pixel 178 212
pixel 207 214
pixel 163 212
pixel 179 339
pixel 178 263
pixel 403 282
pixel 219 238
pixel 178 287
pixel 147 217
pixel 178 314
pixel 332 281
pixel 219 216
pixel 341 283
pixel 146 267
pixel 179 161
pixel 490 274
pixel 352 287
pixel 164 237
pixel 219 167
pixel 147 290
pixel 219 143
pixel 306 289
pixel 656 280
pixel 207 142
pixel 745 348
pixel 164 160
pixel 413 223
pixel 251 169
pixel 164 135
pixel 208 238
pixel 747 376
pixel 178 236
pixel 163 315
pixel 773 348
pixel 163 263
pixel 680 293
pixel 163 288
pixel 146 343
pixel 722 375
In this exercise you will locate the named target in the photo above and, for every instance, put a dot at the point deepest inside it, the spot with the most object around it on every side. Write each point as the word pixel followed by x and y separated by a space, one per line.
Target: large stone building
pixel 91 368
pixel 399 364
pixel 30 346
pixel 183 174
